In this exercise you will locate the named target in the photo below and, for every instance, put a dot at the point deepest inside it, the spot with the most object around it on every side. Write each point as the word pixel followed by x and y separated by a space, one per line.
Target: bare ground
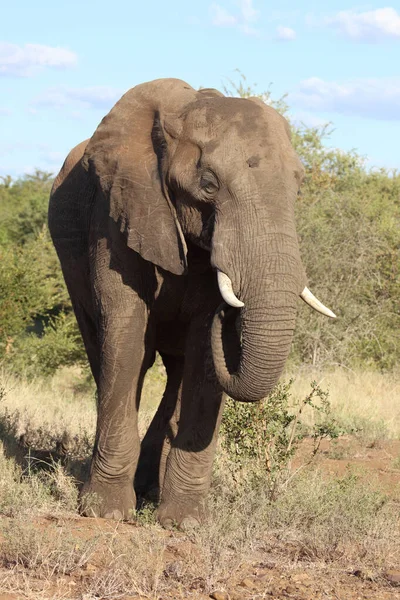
pixel 275 571
pixel 103 559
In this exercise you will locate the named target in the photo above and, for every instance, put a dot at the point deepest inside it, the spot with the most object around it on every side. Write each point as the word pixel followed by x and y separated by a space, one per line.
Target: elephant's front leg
pixel 189 464
pixel 157 442
pixel 124 360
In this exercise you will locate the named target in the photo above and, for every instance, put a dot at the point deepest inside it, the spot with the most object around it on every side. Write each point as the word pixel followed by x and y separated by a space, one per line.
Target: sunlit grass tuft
pixel 366 403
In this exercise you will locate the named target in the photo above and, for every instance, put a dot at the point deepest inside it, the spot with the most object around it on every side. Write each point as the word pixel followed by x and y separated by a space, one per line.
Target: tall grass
pixel 366 403
pixel 363 402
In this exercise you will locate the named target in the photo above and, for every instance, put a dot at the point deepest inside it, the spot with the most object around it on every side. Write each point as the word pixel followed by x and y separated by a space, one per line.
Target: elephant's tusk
pixel 312 301
pixel 225 287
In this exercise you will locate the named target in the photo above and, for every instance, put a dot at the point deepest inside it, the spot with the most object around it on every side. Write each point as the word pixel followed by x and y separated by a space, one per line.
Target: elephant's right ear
pixel 125 155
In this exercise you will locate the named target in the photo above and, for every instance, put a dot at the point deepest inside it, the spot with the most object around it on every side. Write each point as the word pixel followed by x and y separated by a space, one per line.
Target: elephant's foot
pixel 184 516
pixel 108 500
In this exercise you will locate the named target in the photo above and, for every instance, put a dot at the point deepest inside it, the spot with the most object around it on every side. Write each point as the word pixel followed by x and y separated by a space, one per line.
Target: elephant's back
pixel 70 205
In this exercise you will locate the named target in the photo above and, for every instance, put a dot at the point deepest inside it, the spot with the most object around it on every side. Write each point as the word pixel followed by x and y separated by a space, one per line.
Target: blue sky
pixel 64 64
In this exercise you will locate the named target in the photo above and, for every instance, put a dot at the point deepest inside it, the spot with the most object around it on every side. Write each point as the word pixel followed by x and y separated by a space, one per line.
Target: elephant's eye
pixel 209 183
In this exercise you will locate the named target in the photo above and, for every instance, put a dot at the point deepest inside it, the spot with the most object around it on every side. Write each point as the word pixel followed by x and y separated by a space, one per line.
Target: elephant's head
pixel 179 165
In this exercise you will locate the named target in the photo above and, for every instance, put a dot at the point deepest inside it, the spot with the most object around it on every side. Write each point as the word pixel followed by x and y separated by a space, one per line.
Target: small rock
pixel 247 583
pixel 393 577
pixel 264 578
pixel 290 589
pixel 220 595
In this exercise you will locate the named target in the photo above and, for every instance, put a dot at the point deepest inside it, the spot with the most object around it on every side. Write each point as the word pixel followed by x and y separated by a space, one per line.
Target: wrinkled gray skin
pixel 173 185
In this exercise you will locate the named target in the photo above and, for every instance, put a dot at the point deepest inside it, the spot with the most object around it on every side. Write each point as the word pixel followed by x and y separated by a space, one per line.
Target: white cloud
pixel 285 34
pixel 371 26
pixel 249 13
pixel 5 112
pixel 220 17
pixel 18 147
pixel 370 98
pixel 244 20
pixel 27 60
pixel 101 97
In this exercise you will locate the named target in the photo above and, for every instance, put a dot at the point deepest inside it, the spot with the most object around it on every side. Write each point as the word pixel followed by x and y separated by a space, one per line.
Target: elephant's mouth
pixel 230 336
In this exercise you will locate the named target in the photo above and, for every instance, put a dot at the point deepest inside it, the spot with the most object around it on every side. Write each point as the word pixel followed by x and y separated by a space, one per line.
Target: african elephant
pixel 179 197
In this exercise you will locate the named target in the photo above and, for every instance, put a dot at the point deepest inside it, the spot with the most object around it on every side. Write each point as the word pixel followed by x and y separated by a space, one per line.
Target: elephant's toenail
pixel 167 523
pixel 189 524
pixel 115 514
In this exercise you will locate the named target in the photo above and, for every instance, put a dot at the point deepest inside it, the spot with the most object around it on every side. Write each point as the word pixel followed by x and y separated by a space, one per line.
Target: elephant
pixel 174 226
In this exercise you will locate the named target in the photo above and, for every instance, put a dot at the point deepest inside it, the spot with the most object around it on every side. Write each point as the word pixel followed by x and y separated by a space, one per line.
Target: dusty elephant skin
pixel 179 196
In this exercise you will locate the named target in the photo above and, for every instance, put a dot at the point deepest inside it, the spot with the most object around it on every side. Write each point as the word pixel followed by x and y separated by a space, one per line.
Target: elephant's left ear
pixel 124 156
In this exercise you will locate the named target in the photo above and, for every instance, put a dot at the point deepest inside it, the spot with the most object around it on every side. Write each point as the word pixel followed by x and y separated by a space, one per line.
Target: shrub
pixel 267 434
pixel 38 330
pixel 23 207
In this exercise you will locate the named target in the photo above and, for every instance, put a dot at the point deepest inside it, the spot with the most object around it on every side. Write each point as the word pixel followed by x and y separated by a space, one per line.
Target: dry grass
pixel 24 493
pixel 48 549
pixel 341 518
pixel 342 521
pixel 43 411
pixel 365 402
pixel 124 565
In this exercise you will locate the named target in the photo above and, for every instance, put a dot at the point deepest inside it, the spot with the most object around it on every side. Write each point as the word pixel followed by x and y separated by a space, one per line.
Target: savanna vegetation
pixel 348 220
pixel 271 493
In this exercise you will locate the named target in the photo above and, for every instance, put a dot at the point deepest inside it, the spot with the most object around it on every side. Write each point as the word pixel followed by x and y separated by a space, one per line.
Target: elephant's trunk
pixel 250 346
pixel 255 244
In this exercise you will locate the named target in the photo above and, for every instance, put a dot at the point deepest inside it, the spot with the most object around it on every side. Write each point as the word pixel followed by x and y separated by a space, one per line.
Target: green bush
pixel 23 207
pixel 28 276
pixel 266 435
pixel 350 242
pixel 59 345
pixel 38 332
